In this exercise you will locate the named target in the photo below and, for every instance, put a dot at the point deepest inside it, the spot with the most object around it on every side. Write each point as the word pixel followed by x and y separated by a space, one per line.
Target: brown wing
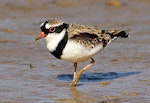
pixel 76 29
pixel 88 36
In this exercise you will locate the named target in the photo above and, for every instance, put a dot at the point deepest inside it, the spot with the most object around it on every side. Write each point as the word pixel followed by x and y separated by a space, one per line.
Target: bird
pixel 76 43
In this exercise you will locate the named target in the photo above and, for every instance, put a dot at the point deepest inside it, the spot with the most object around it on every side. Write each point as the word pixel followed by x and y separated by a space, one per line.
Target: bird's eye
pixel 52 29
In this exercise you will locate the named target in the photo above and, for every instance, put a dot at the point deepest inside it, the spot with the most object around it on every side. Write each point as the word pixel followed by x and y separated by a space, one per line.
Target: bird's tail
pixel 114 34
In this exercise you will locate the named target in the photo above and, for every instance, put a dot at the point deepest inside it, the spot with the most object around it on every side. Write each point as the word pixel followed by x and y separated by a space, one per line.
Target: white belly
pixel 75 52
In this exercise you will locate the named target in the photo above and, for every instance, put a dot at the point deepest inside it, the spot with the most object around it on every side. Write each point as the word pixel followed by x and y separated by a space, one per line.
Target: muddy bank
pixel 28 73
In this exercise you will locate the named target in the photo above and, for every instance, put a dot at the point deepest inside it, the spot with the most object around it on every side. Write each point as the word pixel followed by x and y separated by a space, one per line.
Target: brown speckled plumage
pixel 76 29
pixel 54 21
pixel 88 36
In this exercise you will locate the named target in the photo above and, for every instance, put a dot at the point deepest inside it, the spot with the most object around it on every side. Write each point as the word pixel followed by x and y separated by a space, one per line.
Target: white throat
pixel 53 39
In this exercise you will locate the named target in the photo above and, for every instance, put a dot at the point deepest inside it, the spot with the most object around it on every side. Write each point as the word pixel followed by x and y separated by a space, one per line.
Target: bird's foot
pixel 76 79
pixel 77 75
pixel 73 83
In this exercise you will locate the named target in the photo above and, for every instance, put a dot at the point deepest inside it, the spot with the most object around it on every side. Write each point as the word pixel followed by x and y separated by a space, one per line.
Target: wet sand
pixel 30 74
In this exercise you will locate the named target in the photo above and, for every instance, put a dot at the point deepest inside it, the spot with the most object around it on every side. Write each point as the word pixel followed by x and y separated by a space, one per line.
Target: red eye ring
pixel 52 29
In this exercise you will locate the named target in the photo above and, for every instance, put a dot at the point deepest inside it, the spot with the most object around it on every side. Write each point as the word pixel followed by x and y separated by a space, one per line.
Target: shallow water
pixel 29 74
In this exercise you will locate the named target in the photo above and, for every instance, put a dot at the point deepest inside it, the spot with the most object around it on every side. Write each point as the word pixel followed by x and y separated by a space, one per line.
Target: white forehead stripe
pixel 42 24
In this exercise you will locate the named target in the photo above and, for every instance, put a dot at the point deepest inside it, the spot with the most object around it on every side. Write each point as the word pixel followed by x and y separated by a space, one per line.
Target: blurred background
pixel 28 73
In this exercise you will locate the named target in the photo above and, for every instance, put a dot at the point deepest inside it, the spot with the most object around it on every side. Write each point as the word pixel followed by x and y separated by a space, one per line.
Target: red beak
pixel 42 35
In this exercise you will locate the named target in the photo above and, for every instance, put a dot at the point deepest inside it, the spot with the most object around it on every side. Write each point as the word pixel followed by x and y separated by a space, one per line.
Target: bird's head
pixel 50 27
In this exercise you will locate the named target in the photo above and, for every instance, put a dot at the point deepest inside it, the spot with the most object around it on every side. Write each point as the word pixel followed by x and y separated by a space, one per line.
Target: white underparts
pixel 76 52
